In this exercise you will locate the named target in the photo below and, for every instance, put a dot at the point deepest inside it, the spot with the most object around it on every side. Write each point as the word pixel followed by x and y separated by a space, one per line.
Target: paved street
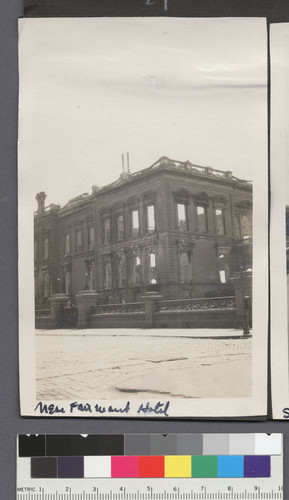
pixel 94 364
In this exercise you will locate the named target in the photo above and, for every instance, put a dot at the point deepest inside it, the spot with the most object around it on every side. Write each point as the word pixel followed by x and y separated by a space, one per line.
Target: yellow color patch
pixel 178 466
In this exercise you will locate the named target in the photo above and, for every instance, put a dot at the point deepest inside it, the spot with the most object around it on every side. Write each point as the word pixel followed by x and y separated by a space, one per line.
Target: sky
pixel 92 89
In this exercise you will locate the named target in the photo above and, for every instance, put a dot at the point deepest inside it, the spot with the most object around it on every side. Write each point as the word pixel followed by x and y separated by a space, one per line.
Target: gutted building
pixel 175 227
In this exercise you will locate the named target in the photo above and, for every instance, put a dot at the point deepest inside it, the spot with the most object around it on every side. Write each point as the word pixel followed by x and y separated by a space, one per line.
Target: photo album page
pixel 143 217
pixel 279 219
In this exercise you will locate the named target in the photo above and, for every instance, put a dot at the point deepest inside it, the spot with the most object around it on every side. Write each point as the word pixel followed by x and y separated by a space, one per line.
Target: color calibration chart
pixel 150 467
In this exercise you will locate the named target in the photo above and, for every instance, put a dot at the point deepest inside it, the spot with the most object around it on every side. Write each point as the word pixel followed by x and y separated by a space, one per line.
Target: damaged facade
pixel 178 228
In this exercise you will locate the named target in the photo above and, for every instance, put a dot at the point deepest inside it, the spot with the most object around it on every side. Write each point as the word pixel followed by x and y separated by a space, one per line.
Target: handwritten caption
pixel 77 408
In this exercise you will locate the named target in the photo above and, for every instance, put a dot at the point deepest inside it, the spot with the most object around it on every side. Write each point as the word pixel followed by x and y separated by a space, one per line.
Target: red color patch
pixel 151 466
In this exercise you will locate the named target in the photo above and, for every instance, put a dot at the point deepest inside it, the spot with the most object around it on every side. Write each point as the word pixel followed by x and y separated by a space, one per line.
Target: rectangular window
pixel 185 268
pixel 220 221
pixel 106 227
pixel 222 269
pixel 46 284
pixel 135 222
pixel 202 219
pixel 136 271
pixel 93 277
pixel 152 260
pixel 67 244
pixel 237 226
pixel 121 268
pixel 120 228
pixel 151 222
pixel 67 282
pixel 91 238
pixel 89 274
pixel 152 271
pixel 107 275
pixel 182 217
pixel 222 276
pixel 78 241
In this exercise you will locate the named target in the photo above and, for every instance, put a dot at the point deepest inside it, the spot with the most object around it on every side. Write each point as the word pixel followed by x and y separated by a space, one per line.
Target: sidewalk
pixel 194 333
pixel 95 364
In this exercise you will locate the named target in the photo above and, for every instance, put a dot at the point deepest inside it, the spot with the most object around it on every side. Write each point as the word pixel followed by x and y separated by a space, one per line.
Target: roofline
pixel 162 164
pixel 165 163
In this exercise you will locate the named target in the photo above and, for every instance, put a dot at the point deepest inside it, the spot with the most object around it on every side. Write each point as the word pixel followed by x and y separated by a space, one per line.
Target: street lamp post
pixel 246 330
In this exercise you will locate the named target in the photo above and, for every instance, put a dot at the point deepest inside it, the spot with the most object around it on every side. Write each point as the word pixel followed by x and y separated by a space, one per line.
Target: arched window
pixel 243 221
pixel 202 218
pixel 185 268
pixel 246 227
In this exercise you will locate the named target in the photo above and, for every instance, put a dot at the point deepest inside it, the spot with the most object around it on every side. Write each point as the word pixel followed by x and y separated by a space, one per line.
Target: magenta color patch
pixel 124 466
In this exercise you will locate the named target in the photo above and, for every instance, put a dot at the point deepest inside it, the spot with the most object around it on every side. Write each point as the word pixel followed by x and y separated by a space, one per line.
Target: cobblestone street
pixel 109 364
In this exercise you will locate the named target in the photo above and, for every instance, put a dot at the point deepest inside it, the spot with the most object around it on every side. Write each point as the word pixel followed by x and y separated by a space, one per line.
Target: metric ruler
pixel 150 467
pixel 211 490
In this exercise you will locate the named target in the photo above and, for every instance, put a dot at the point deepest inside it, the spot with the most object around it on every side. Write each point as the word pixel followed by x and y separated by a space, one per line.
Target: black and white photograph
pixel 279 220
pixel 143 201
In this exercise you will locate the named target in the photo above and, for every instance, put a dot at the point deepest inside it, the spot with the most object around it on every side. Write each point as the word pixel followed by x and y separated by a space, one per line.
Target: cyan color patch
pixel 230 466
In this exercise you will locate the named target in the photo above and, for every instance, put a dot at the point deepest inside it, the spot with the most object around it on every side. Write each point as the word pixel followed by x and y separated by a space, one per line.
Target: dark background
pixel 274 10
pixel 11 423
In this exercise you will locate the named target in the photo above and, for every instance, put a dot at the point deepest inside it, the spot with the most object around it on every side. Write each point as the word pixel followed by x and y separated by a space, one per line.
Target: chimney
pixel 122 159
pixel 127 162
pixel 94 189
pixel 40 198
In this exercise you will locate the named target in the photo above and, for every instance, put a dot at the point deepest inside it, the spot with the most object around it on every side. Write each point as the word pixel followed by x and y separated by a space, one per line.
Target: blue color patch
pixel 230 466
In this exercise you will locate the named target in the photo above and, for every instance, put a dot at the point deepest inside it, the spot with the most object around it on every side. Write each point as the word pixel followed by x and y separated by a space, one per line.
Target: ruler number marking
pixel 149 494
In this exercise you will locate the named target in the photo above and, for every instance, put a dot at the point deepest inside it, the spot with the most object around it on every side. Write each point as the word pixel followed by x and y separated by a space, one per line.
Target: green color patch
pixel 205 466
